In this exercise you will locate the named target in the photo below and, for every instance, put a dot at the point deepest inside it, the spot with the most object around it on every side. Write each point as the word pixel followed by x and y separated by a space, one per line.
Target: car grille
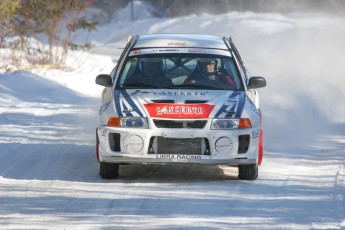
pixel 178 146
pixel 196 124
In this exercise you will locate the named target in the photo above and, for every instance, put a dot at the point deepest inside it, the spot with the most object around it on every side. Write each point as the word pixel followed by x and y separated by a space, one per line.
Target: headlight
pixel 133 122
pixel 231 123
pixel 225 124
pixel 128 122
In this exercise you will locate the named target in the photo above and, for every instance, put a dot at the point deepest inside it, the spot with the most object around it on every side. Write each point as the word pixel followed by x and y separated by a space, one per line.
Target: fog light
pixel 224 145
pixel 134 143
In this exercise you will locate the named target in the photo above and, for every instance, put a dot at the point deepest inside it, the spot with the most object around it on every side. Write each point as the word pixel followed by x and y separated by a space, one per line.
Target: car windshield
pixel 180 71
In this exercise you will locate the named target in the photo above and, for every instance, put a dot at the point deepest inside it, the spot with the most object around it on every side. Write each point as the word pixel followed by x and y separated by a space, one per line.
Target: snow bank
pixel 48 169
pixel 299 55
pixel 24 86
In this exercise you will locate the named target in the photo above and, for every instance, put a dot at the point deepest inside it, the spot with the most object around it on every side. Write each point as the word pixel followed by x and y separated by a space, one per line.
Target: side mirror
pixel 256 82
pixel 104 80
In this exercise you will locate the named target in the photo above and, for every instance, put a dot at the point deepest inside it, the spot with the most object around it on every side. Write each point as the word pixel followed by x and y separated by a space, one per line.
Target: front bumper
pixel 176 159
pixel 135 146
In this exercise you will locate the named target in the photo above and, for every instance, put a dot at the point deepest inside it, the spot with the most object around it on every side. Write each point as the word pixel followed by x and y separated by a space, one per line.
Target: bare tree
pixel 58 20
pixel 8 9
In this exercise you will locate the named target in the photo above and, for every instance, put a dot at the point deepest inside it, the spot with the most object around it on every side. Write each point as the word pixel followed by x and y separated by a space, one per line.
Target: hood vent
pixel 195 101
pixel 164 101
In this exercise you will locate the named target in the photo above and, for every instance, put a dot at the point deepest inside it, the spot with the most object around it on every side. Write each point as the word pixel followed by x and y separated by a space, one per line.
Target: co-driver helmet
pixel 151 66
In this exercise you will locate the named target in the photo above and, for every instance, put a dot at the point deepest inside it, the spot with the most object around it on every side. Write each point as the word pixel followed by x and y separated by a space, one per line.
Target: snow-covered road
pixel 49 174
pixel 54 184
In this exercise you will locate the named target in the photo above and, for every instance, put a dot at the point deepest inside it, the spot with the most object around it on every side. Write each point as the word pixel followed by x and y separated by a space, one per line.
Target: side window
pixel 112 74
pixel 230 68
pixel 122 58
pixel 240 69
pixel 247 74
pixel 129 69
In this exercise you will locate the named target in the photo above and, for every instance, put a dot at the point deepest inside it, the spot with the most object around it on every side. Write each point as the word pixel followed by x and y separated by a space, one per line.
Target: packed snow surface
pixel 48 169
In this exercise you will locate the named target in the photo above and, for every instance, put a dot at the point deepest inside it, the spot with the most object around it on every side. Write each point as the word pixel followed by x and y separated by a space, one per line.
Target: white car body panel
pixel 143 145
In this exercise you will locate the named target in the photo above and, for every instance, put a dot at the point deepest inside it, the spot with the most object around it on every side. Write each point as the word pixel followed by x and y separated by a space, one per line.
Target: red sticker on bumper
pixel 179 110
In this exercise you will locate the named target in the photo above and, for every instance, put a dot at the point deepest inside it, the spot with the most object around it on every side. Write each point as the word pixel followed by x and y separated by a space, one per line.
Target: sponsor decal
pixel 154 51
pixel 125 105
pixel 177 43
pixel 178 49
pixel 255 134
pixel 136 52
pixel 104 107
pixel 180 93
pixel 233 107
pixel 171 50
pixel 103 132
pixel 196 50
pixel 139 91
pixel 178 157
pixel 179 110
pixel 128 111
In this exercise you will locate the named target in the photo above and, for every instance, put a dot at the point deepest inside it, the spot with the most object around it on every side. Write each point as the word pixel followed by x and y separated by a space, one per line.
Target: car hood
pixel 180 104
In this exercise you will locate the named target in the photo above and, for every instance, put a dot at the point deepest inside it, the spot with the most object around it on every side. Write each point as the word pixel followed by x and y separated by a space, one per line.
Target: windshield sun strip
pixel 173 50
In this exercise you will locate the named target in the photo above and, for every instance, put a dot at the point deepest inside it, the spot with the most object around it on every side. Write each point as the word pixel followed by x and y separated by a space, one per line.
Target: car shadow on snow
pixel 71 162
pixel 174 173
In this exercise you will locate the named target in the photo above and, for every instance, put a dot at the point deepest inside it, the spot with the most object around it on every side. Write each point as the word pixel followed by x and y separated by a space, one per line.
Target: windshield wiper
pixel 191 86
pixel 140 84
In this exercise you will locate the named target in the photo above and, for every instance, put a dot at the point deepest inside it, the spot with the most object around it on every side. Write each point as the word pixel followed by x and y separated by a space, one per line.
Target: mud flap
pixel 261 148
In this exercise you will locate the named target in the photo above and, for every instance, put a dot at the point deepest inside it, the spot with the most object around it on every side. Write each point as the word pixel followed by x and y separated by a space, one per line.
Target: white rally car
pixel 180 98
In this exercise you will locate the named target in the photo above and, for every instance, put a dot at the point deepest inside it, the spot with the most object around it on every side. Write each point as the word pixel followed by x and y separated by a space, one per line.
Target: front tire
pixel 109 170
pixel 248 172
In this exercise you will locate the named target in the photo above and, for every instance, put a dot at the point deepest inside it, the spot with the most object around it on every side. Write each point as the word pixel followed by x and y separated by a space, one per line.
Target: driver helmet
pixel 207 65
pixel 151 66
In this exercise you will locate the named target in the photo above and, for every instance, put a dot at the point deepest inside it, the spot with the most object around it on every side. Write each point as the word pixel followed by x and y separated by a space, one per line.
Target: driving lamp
pixel 128 122
pixel 231 123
